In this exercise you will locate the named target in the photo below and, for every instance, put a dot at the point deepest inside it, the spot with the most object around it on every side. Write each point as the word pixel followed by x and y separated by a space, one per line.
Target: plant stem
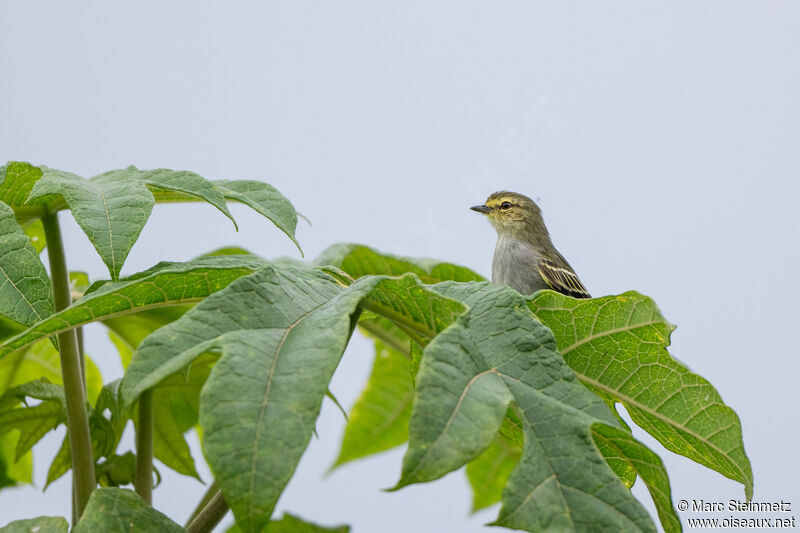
pixel 144 448
pixel 207 519
pixel 212 490
pixel 79 335
pixel 80 443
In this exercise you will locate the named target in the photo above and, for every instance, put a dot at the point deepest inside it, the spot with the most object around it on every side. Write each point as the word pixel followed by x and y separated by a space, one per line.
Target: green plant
pixel 521 390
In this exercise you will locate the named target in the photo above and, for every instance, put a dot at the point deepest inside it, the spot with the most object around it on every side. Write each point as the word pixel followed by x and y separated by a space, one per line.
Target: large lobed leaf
pixel 281 332
pixel 112 208
pixel 495 354
pixel 680 409
pixel 617 346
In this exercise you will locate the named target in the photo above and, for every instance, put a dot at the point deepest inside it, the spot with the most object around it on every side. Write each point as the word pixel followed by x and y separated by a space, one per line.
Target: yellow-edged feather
pixel 562 279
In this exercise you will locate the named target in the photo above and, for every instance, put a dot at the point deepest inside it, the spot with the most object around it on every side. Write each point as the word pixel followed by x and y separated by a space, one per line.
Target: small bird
pixel 525 258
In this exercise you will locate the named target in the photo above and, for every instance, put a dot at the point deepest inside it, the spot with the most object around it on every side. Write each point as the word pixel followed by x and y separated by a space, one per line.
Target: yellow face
pixel 508 211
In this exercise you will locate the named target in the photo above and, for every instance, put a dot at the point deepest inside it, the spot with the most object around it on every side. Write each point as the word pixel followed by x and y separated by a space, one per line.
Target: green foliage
pixel 112 510
pixel 16 182
pixel 521 391
pixel 32 422
pixel 112 208
pixel 646 464
pixel 617 346
pixel 116 470
pixel 468 377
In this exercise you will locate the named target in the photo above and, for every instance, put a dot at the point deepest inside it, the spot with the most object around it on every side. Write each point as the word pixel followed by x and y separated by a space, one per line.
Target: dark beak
pixel 481 208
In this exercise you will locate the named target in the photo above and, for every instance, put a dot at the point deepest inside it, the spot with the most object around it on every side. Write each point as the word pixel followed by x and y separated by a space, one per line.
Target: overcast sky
pixel 660 139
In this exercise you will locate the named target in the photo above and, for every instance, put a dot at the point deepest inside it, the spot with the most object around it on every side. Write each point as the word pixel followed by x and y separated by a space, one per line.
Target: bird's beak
pixel 481 208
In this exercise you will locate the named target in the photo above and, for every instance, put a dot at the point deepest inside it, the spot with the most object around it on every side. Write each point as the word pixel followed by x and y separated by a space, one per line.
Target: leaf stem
pixel 211 515
pixel 212 490
pixel 80 443
pixel 144 448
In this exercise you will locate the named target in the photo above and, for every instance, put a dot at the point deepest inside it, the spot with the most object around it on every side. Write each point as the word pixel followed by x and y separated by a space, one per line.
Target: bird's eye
pixel 505 205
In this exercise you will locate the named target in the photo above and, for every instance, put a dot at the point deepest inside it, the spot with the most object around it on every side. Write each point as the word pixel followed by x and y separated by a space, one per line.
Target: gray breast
pixel 515 265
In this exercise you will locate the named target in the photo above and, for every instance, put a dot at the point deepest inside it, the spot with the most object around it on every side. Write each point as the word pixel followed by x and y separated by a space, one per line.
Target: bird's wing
pixel 562 279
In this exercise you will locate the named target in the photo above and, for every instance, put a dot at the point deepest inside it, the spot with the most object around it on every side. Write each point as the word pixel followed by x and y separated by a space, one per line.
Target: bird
pixel 525 258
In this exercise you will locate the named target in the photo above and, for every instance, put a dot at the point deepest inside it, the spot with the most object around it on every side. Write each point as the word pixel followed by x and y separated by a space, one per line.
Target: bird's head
pixel 511 213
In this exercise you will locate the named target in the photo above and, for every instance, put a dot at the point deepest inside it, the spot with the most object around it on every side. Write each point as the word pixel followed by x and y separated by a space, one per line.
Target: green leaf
pixel 260 196
pixel 227 250
pixel 16 181
pixel 39 360
pixel 617 345
pixel 61 463
pixel 112 510
pixel 359 260
pixel 42 524
pixel 166 284
pixel 33 423
pixel 264 199
pixel 469 376
pixel 25 295
pixel 79 282
pixel 647 465
pixel 13 471
pixel 293 524
pixel 281 332
pixel 261 314
pixel 35 231
pixel 112 208
pixel 379 419
pixel 116 470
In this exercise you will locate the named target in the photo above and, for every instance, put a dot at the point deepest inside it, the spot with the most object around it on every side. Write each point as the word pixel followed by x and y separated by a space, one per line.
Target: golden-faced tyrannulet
pixel 525 258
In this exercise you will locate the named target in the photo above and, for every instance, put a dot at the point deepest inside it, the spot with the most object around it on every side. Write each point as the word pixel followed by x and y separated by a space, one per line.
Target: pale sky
pixel 660 139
